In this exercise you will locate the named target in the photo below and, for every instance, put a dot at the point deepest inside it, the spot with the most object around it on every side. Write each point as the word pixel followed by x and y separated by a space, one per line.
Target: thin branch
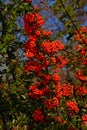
pixel 71 20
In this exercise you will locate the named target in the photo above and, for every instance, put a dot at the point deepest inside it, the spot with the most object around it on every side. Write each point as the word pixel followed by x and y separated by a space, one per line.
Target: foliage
pixel 51 91
pixel 14 99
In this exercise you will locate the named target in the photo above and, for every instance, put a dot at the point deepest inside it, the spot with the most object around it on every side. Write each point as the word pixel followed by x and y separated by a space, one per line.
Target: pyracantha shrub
pixel 53 100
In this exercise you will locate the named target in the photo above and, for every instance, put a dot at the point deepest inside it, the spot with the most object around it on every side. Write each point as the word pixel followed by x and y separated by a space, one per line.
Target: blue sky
pixel 85 9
